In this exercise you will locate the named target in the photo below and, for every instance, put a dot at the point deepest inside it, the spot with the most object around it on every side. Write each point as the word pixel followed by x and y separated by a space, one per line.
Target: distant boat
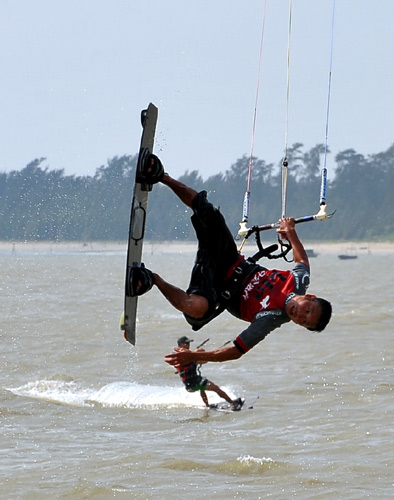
pixel 310 252
pixel 350 254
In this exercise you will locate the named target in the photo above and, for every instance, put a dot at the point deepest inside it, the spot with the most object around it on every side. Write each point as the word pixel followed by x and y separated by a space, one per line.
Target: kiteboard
pixel 228 408
pixel 137 221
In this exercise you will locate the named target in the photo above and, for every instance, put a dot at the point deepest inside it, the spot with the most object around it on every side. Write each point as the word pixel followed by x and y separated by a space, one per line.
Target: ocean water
pixel 85 415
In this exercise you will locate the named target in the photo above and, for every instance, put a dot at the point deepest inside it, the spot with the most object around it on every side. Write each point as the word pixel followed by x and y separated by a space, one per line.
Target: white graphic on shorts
pixel 265 302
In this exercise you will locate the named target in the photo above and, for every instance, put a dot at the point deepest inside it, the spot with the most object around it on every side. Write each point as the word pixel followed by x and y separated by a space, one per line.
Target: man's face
pixel 304 310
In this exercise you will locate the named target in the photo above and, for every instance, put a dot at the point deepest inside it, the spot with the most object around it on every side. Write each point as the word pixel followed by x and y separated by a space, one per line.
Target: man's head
pixel 184 341
pixel 309 311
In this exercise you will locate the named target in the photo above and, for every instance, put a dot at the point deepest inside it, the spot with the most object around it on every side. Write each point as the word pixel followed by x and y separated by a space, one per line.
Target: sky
pixel 75 75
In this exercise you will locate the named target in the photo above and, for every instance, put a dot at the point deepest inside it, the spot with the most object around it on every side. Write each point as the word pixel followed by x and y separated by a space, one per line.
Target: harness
pixel 191 375
pixel 235 284
pixel 243 272
pixel 230 296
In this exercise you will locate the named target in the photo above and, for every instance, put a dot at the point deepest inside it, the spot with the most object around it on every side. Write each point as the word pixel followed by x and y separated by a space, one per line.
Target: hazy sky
pixel 75 75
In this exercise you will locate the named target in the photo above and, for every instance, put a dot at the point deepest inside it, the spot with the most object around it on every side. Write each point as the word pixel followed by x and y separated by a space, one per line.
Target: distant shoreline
pixel 359 248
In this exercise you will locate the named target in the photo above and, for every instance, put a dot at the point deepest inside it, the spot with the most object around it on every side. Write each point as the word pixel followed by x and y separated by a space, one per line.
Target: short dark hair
pixel 325 316
pixel 184 340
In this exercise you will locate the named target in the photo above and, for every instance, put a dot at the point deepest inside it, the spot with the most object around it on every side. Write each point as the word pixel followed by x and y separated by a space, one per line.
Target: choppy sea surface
pixel 85 415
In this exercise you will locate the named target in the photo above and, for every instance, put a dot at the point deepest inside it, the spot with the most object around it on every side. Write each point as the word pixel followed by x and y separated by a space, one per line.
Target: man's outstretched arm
pixel 183 356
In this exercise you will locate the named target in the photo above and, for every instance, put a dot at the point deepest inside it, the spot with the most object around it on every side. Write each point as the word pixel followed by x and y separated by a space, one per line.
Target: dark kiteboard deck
pixel 137 222
pixel 227 408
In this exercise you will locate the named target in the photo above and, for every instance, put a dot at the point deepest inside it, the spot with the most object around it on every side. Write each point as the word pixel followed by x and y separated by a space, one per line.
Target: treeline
pixel 38 203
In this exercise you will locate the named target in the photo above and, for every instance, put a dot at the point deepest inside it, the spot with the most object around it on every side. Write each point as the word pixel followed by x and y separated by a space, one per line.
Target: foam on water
pixel 113 395
pixel 133 395
pixel 56 391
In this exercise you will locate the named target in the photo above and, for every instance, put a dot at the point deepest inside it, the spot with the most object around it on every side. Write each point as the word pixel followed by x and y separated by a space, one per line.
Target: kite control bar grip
pixel 321 215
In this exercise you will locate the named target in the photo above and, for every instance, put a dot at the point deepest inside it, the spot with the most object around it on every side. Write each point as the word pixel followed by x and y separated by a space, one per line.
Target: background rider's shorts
pixel 198 386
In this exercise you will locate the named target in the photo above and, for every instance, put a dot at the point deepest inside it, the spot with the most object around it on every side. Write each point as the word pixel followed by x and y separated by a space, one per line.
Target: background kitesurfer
pixel 194 381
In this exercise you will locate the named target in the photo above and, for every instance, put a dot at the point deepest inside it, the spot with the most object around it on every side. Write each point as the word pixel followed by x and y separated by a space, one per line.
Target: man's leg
pixel 191 304
pixel 185 193
pixel 215 388
pixel 199 301
pixel 216 253
pixel 204 398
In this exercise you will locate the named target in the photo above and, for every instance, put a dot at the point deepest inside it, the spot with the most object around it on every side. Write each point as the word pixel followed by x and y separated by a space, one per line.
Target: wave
pixel 113 395
pixel 56 391
pixel 245 465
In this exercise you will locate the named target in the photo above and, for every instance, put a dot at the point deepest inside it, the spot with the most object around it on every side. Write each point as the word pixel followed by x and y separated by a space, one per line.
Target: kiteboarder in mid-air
pixel 223 279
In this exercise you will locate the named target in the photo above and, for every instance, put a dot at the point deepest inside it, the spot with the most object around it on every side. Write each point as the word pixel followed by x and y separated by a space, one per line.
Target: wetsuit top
pixel 189 375
pixel 263 302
